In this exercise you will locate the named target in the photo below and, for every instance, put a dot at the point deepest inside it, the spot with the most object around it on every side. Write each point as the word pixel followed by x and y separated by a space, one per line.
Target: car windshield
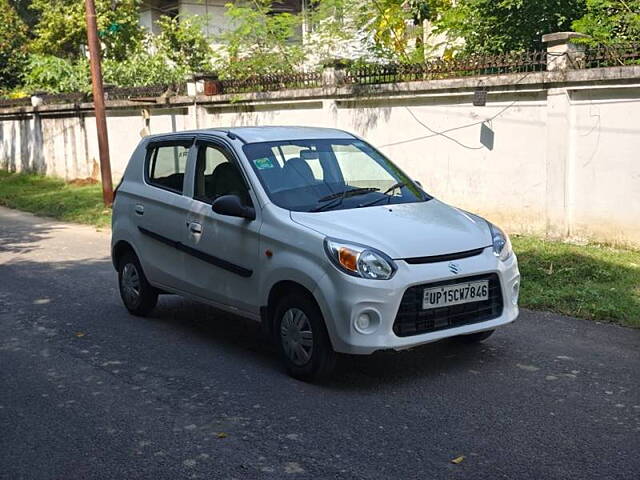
pixel 327 174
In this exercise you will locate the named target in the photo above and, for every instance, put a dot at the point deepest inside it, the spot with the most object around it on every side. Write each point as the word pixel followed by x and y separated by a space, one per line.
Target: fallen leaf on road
pixel 80 334
pixel 458 460
pixel 221 435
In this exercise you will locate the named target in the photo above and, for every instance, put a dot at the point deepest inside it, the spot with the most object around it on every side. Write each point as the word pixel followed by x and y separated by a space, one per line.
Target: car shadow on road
pixel 244 338
pixel 94 288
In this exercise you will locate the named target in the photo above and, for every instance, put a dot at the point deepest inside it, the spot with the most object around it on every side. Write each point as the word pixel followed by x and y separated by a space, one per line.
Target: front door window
pixel 218 175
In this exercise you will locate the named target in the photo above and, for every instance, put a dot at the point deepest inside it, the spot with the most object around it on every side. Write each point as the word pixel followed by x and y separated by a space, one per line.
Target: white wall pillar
pixel 558 162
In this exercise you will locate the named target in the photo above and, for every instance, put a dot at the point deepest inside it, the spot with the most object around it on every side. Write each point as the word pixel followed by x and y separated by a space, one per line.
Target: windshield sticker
pixel 263 163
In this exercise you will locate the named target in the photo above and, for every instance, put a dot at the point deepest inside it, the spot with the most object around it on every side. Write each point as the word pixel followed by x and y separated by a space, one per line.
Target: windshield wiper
pixel 349 193
pixel 386 192
pixel 340 196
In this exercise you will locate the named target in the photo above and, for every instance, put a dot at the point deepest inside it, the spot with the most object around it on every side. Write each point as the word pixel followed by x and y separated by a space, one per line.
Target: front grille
pixel 413 320
pixel 445 257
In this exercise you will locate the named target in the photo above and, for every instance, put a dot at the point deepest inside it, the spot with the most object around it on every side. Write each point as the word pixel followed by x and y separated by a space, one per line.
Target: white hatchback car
pixel 314 233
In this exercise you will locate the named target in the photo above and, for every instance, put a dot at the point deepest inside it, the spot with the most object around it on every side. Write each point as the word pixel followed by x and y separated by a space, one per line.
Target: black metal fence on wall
pixel 616 56
pixel 370 74
pixel 267 83
pixel 448 68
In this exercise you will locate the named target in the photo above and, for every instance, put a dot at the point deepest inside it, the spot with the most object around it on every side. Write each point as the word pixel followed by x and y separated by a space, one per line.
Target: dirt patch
pixel 79 182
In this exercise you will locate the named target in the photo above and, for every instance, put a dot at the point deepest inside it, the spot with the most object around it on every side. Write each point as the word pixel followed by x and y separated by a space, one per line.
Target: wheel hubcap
pixel 131 283
pixel 296 336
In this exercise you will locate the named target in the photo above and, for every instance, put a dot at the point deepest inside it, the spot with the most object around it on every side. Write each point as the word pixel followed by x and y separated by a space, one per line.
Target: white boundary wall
pixel 565 158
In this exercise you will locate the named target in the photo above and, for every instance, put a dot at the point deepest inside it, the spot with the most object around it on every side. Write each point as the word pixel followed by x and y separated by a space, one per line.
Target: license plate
pixel 448 295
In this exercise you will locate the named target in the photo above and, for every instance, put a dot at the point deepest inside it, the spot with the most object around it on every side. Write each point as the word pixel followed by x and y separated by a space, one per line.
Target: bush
pixel 143 68
pixel 13 40
pixel 609 22
pixel 259 43
pixel 183 44
pixel 56 75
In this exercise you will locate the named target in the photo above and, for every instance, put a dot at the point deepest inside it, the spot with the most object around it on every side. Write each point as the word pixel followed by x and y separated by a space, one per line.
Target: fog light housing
pixel 515 291
pixel 366 322
pixel 363 322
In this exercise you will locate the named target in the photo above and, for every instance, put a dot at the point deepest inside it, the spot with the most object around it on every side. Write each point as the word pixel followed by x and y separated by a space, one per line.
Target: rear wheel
pixel 302 338
pixel 136 292
pixel 474 337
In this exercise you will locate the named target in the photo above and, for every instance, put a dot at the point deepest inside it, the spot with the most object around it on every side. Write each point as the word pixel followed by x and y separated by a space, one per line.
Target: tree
pixel 13 41
pixel 610 21
pixel 26 13
pixel 179 50
pixel 336 31
pixel 499 26
pixel 182 42
pixel 368 30
pixel 259 42
pixel 61 28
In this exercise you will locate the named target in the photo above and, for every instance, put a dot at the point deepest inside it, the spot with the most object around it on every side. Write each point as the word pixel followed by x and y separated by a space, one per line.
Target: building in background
pixel 212 11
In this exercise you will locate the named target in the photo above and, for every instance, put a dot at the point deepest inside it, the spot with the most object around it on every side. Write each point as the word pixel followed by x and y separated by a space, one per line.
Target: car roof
pixel 275 133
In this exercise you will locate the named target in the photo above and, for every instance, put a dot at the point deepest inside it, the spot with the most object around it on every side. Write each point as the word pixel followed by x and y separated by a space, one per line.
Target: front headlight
pixel 501 243
pixel 359 260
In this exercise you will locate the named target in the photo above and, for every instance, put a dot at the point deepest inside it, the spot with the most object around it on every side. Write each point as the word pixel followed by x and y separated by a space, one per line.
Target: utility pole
pixel 98 102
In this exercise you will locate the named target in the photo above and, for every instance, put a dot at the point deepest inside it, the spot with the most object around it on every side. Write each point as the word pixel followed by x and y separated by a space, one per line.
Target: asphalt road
pixel 88 391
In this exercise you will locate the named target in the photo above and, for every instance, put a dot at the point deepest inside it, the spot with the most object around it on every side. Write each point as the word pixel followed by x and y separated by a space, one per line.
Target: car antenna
pixel 233 136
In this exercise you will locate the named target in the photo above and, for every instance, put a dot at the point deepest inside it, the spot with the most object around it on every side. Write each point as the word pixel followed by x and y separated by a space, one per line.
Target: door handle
pixel 139 209
pixel 195 227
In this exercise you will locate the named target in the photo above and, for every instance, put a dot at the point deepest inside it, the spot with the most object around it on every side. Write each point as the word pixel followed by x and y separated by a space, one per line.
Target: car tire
pixel 474 337
pixel 302 338
pixel 137 294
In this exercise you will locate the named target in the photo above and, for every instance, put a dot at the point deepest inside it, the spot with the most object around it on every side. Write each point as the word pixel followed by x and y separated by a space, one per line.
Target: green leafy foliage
pixel 28 15
pixel 499 26
pixel 259 42
pixel 370 30
pixel 47 73
pixel 335 32
pixel 183 42
pixel 179 50
pixel 143 68
pixel 61 29
pixel 610 22
pixel 13 41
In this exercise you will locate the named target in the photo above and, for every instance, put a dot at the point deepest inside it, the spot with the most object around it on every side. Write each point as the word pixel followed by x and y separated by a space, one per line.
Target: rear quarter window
pixel 166 166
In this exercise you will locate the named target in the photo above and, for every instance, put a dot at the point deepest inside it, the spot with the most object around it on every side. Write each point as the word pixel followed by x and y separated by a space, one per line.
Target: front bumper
pixel 343 298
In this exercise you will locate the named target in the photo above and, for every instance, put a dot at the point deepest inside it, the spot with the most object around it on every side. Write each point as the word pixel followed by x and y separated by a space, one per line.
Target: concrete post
pixel 332 77
pixel 557 162
pixel 563 52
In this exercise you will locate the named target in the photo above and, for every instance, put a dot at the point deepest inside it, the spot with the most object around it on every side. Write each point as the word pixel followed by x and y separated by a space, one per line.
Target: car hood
pixel 403 230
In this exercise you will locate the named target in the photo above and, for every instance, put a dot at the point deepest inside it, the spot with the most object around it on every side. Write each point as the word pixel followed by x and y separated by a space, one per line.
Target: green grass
pixel 52 197
pixel 590 281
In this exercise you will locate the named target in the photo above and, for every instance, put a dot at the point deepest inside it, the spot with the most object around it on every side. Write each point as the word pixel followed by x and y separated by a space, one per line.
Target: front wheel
pixel 302 338
pixel 137 294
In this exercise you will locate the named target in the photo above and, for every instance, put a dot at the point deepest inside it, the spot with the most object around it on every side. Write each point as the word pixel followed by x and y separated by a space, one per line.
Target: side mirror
pixel 232 206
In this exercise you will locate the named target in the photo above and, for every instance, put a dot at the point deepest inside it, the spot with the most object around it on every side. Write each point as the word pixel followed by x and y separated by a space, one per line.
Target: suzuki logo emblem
pixel 454 267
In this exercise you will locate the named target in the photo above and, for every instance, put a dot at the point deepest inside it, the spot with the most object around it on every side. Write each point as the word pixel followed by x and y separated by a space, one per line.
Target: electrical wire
pixel 442 133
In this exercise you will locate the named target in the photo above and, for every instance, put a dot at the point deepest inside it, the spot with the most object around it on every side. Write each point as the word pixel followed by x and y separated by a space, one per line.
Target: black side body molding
pixel 205 257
